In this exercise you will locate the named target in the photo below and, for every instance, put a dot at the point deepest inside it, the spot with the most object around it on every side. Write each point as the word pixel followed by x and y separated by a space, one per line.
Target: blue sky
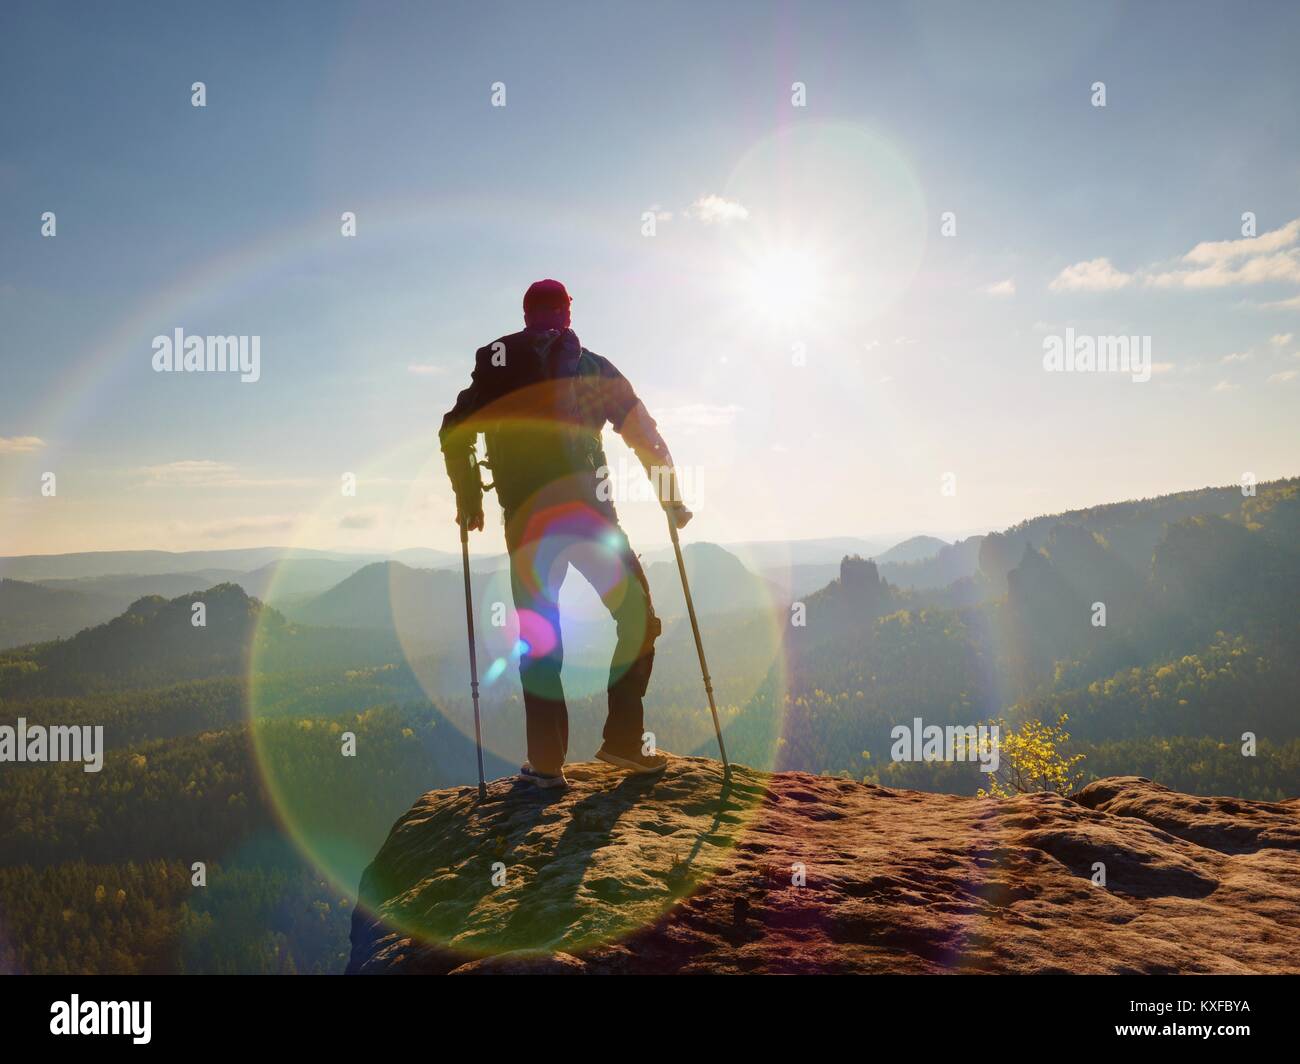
pixel 816 350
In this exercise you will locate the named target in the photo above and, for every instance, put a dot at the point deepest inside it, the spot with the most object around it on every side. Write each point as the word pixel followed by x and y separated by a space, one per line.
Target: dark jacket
pixel 542 399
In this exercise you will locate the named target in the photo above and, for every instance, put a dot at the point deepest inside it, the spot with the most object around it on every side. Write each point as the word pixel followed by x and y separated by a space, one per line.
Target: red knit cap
pixel 546 295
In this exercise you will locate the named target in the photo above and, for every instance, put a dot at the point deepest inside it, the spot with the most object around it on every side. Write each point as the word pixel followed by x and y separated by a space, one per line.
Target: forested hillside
pixel 1199 646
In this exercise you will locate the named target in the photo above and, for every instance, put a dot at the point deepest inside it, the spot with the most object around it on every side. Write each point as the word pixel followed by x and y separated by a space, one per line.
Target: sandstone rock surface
pixel 680 874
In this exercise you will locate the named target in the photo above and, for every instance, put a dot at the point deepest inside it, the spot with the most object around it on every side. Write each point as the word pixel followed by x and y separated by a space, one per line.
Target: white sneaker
pixel 541 779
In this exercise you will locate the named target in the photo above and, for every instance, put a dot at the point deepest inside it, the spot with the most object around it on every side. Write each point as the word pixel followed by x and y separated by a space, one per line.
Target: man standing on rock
pixel 541 400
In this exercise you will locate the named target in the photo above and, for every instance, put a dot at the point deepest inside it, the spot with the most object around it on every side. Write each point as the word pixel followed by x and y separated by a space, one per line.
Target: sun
pixel 785 284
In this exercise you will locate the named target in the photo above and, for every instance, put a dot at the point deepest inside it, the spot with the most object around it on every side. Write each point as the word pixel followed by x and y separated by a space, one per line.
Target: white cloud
pixel 1281 339
pixel 1224 386
pixel 193 473
pixel 1271 258
pixel 359 520
pixel 1285 377
pixel 245 526
pixel 1000 289
pixel 424 369
pixel 20 444
pixel 1095 275
pixel 1216 251
pixel 1268 258
pixel 1283 267
pixel 1236 356
pixel 205 473
pixel 233 528
pixel 713 208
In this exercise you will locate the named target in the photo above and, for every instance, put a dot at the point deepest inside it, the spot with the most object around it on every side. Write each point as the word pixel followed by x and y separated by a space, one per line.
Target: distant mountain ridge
pixel 388 594
pixel 313 586
pixel 34 567
pixel 32 613
pixel 720 583
pixel 429 603
pixel 157 641
pixel 915 549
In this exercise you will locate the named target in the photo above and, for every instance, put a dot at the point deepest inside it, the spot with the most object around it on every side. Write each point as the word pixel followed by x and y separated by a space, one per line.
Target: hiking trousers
pixel 544 540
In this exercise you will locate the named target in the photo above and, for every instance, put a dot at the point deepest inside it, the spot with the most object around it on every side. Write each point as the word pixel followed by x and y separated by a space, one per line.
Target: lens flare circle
pixel 405 708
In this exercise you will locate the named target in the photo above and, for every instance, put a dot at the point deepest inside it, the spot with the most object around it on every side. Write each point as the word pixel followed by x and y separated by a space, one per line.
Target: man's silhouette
pixel 541 400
